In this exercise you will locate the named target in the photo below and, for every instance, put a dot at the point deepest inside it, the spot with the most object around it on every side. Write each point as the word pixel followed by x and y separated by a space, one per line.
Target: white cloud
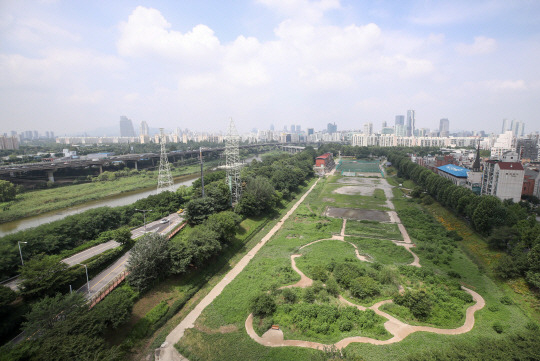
pixel 481 45
pixel 147 33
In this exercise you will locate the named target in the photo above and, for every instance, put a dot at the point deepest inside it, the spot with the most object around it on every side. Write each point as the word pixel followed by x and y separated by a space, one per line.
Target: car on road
pixel 164 220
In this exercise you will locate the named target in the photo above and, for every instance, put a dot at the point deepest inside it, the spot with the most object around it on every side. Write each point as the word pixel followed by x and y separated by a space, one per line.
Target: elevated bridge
pixel 51 167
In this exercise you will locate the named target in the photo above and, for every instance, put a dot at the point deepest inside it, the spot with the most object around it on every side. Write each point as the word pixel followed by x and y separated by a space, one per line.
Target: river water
pixel 113 201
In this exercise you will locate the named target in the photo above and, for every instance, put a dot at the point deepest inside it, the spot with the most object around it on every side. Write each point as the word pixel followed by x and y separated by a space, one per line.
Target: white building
pixel 503 179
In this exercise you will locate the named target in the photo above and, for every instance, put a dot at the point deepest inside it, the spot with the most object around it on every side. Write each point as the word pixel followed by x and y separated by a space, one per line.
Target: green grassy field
pixel 220 334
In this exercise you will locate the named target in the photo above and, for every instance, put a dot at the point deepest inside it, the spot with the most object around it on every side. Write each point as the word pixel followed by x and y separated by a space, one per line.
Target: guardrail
pixel 173 233
pixel 108 288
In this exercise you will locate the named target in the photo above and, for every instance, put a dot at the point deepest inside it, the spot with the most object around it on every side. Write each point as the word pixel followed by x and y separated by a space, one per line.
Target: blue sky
pixel 73 66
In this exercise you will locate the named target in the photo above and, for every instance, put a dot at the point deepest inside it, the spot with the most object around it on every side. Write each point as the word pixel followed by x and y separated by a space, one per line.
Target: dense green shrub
pixel 262 305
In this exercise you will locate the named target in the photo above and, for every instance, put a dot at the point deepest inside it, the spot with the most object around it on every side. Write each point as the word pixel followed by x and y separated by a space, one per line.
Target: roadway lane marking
pixel 108 273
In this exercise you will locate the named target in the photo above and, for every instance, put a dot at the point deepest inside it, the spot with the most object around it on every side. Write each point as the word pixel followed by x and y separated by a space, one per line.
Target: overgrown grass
pixel 373 229
pixel 382 251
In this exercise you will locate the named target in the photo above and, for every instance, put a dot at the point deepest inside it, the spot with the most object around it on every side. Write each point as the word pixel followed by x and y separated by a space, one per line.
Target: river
pixel 113 201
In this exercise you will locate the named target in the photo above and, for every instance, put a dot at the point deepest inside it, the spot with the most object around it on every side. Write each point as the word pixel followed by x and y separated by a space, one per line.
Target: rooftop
pixel 454 170
pixel 511 165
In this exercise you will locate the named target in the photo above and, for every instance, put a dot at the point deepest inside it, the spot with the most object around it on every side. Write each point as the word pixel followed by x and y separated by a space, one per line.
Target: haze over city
pixel 78 66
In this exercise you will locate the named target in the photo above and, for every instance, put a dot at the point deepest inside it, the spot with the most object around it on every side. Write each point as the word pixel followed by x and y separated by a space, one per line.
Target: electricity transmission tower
pixel 233 165
pixel 165 181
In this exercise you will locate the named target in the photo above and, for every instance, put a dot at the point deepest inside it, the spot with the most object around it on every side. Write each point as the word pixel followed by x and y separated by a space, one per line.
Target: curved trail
pixel 399 330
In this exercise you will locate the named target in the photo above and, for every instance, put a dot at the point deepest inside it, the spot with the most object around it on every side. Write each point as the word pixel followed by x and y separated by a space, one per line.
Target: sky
pixel 75 66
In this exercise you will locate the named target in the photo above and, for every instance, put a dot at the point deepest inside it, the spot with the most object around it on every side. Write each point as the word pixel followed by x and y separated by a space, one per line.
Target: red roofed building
pixel 503 179
pixel 324 162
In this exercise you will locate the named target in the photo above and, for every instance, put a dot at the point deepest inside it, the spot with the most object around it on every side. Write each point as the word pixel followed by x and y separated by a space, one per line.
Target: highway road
pixel 114 270
pixel 109 274
pixel 90 252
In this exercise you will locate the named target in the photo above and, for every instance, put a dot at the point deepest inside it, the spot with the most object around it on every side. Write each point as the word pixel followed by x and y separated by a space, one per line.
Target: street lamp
pixel 20 252
pixel 144 215
pixel 87 281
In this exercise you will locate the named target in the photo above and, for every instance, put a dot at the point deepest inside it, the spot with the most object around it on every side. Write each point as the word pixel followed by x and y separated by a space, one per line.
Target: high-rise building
pixel 272 127
pixel 310 131
pixel 368 128
pixel 331 128
pixel 293 128
pixel 400 120
pixel 517 128
pixel 126 127
pixel 504 126
pixel 527 148
pixel 384 125
pixel 444 127
pixel 144 128
pixel 411 120
pixel 298 128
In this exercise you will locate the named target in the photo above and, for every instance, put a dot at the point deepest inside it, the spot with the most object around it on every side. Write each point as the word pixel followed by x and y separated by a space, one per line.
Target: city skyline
pixel 67 65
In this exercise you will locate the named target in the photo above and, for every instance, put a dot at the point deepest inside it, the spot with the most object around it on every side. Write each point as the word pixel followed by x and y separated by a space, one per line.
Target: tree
pixel 417 302
pixel 221 194
pixel 257 198
pixel 7 191
pixel 224 224
pixel 198 209
pixel 46 312
pixel 122 235
pixel 364 286
pixel 115 309
pixel 148 261
pixel 7 296
pixel 488 214
pixel 262 305
pixel 502 238
pixel 44 275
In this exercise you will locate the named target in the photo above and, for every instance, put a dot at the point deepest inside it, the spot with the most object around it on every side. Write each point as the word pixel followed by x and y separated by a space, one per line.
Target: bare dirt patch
pixel 356 190
pixel 328 200
pixel 358 214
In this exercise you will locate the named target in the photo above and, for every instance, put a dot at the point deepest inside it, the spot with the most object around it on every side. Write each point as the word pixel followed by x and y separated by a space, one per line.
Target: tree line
pixel 509 227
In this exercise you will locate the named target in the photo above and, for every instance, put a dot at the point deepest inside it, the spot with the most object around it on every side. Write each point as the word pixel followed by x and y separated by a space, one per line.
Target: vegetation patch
pixel 376 229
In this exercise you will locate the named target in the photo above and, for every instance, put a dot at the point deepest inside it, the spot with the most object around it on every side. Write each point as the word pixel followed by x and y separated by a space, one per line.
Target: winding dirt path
pixel 399 330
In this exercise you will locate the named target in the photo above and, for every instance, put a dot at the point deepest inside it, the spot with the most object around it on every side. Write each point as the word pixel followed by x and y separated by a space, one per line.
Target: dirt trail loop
pixel 167 352
pixel 398 329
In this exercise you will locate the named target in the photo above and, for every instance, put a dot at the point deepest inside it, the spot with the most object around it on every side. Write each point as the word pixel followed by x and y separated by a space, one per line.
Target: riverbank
pixel 46 200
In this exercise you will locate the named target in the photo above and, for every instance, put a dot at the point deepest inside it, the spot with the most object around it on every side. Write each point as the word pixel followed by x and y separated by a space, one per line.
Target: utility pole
pixel 144 215
pixel 202 175
pixel 87 280
pixel 20 252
